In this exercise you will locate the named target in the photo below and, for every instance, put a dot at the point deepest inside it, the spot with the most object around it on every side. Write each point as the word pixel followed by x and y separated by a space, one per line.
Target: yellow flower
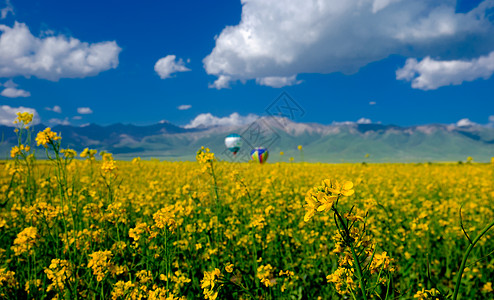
pixel 25 240
pixel 24 118
pixel 7 278
pixel 46 137
pixel 69 153
pixel 487 288
pixel 299 147
pixel 265 274
pixel 229 268
pixel 321 198
pixel 89 153
pixel 59 272
pixel 15 151
pixel 209 284
pixel 100 263
pixel 346 189
pixel 108 165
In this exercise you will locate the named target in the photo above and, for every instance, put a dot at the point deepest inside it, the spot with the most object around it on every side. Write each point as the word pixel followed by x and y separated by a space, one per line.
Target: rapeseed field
pixel 82 225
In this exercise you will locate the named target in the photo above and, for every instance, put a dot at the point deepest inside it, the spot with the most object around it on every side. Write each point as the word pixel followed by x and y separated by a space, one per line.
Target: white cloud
pixel 84 110
pixel 56 121
pixel 208 120
pixel 11 90
pixel 277 82
pixel 430 74
pixel 184 107
pixel 364 121
pixel 77 118
pixel 8 114
pixel 289 37
pixel 52 57
pixel 491 119
pixel 15 93
pixel 55 108
pixel 168 65
pixel 7 9
pixel 223 82
pixel 465 122
pixel 372 103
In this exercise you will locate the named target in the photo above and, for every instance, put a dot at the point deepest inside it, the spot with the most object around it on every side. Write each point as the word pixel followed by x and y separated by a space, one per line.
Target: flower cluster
pixel 210 284
pixel 88 153
pixel 108 165
pixel 100 263
pixel 165 218
pixel 23 118
pixel 68 153
pixel 428 294
pixel 59 272
pixel 321 198
pixel 265 274
pixel 17 150
pixel 25 241
pixel 46 137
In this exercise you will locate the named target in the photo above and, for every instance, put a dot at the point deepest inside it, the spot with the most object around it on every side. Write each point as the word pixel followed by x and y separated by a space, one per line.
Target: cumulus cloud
pixel 208 120
pixel 277 82
pixel 364 121
pixel 84 110
pixel 280 39
pixel 8 114
pixel 15 93
pixel 55 108
pixel 465 122
pixel 223 82
pixel 184 107
pixel 168 65
pixel 11 90
pixel 430 74
pixel 52 57
pixel 6 10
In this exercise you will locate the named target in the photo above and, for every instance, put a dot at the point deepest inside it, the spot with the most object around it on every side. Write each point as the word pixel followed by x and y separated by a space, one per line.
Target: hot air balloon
pixel 233 142
pixel 259 154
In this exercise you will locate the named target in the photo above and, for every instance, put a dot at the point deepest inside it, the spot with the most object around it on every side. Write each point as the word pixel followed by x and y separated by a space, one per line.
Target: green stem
pixel 354 254
pixel 465 257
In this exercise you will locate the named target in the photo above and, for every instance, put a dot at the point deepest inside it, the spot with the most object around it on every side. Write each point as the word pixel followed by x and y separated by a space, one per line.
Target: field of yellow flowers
pixel 86 226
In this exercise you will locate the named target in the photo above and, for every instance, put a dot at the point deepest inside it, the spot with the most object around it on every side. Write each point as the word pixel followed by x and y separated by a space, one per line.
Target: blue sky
pixel 224 62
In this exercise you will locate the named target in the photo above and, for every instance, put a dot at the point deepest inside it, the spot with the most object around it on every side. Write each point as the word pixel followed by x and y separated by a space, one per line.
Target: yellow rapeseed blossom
pixel 88 153
pixel 46 137
pixel 210 284
pixel 7 278
pixel 122 289
pixel 322 198
pixel 165 218
pixel 25 241
pixel 59 272
pixel 487 288
pixel 229 268
pixel 265 274
pixel 108 165
pixel 427 294
pixel 100 263
pixel 23 118
pixel 69 153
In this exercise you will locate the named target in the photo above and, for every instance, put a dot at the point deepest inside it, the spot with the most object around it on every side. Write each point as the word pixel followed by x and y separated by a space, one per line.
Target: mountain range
pixel 338 142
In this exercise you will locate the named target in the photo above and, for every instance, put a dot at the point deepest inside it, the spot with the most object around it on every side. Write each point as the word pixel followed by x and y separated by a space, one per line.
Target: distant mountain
pixel 339 142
